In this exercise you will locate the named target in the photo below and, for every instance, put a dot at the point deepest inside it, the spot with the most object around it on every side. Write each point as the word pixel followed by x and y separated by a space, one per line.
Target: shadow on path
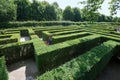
pixel 23 70
pixel 111 71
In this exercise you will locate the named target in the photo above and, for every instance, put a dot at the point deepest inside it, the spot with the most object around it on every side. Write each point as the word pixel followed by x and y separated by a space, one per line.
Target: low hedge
pixel 55 29
pixel 3 69
pixel 49 57
pixel 16 51
pixel 61 38
pixel 37 23
pixel 84 67
pixel 5 36
pixel 6 41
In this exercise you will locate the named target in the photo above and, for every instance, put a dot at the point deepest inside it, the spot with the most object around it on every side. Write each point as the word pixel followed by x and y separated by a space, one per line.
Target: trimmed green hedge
pixel 61 38
pixel 6 41
pixel 16 51
pixel 49 57
pixel 3 69
pixel 67 32
pixel 39 31
pixel 84 67
pixel 37 23
pixel 5 36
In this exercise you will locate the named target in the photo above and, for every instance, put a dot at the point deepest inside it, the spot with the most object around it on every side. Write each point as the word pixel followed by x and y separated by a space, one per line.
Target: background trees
pixel 68 14
pixel 7 10
pixel 24 10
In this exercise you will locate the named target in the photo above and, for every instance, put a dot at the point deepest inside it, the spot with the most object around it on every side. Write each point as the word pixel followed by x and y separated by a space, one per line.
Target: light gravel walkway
pixel 23 70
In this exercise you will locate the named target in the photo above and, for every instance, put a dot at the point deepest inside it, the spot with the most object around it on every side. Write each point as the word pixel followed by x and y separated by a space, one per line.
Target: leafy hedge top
pixel 46 49
pixel 78 67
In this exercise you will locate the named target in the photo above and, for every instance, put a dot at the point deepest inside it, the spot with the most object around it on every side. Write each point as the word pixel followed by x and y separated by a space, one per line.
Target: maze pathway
pixel 54 47
pixel 23 70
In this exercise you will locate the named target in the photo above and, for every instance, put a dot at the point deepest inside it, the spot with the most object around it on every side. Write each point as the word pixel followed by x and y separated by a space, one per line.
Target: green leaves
pixel 3 70
pixel 7 10
pixel 84 67
pixel 114 6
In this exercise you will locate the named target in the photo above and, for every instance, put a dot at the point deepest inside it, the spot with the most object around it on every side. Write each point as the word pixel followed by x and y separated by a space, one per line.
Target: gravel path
pixel 23 70
pixel 111 71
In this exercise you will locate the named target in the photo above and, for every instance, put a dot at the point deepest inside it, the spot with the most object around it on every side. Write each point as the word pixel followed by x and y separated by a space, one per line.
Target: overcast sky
pixel 74 3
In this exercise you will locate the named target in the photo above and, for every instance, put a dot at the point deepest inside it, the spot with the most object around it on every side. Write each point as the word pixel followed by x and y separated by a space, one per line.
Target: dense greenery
pixel 85 66
pixel 24 10
pixel 3 69
pixel 7 10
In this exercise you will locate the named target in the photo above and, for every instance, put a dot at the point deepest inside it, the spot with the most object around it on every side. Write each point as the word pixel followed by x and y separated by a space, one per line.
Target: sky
pixel 75 3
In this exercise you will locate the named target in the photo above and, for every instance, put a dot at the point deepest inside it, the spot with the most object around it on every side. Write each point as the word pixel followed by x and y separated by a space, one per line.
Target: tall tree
pixel 90 9
pixel 77 15
pixel 49 11
pixel 36 11
pixel 22 9
pixel 68 14
pixel 7 10
pixel 58 10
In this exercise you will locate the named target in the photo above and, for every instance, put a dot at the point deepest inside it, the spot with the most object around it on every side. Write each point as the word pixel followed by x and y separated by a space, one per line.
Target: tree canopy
pixel 7 10
pixel 25 10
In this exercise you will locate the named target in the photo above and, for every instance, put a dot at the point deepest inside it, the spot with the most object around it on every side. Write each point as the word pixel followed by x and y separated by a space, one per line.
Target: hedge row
pixel 16 51
pixel 84 67
pixel 61 38
pixel 67 32
pixel 6 41
pixel 49 57
pixel 55 29
pixel 3 70
pixel 35 23
pixel 5 36
pixel 111 38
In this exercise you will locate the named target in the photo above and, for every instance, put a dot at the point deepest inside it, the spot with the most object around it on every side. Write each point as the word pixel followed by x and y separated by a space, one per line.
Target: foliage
pixel 3 69
pixel 90 9
pixel 85 66
pixel 68 14
pixel 22 9
pixel 7 10
pixel 114 6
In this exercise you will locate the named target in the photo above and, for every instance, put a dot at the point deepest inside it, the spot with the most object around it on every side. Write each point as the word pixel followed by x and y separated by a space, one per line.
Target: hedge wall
pixel 49 57
pixel 36 23
pixel 6 41
pixel 67 32
pixel 3 70
pixel 17 51
pixel 84 67
pixel 61 38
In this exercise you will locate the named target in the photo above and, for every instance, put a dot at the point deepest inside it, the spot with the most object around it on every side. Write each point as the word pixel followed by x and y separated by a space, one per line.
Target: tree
pixel 77 15
pixel 68 14
pixel 36 11
pixel 48 11
pixel 57 10
pixel 22 9
pixel 101 18
pixel 90 9
pixel 7 10
pixel 114 6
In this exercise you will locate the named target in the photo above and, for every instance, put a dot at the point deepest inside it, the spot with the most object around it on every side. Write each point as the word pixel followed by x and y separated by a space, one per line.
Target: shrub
pixel 84 67
pixel 48 57
pixel 3 70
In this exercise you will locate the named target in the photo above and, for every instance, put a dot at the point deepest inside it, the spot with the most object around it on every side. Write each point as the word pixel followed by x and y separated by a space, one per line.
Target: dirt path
pixel 23 70
pixel 111 71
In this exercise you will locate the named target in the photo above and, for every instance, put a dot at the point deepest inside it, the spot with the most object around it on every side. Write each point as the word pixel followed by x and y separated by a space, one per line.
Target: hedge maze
pixel 60 52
